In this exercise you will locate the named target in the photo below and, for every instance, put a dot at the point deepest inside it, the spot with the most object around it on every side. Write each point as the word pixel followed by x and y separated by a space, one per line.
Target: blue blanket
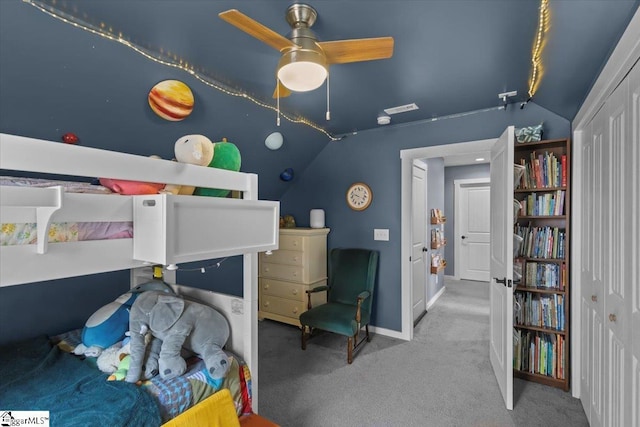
pixel 36 376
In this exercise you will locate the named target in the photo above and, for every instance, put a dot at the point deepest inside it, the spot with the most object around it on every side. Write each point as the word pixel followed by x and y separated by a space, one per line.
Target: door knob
pixel 425 250
pixel 464 237
pixel 594 298
pixel 612 317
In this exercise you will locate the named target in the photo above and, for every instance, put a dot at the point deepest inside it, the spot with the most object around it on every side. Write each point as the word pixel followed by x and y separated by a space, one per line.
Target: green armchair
pixel 352 276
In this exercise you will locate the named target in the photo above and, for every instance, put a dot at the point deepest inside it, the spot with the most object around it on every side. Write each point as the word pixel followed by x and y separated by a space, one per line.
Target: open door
pixel 501 251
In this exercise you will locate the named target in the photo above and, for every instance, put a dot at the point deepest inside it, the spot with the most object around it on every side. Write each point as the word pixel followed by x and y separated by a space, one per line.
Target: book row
pixel 540 242
pixel 543 204
pixel 541 311
pixel 541 275
pixel 539 353
pixel 544 171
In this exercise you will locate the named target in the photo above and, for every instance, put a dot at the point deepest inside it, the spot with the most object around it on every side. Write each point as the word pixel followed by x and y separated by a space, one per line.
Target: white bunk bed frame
pixel 168 229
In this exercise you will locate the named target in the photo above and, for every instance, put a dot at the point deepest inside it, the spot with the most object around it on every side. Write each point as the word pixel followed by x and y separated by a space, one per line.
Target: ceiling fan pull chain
pixel 278 102
pixel 328 112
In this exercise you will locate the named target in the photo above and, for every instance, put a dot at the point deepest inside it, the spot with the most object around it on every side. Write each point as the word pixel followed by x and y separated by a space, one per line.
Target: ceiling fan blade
pixel 284 92
pixel 355 50
pixel 256 29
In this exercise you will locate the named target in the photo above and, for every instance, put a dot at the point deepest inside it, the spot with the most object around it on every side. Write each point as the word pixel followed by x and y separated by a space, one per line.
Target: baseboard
pixel 387 332
pixel 446 276
pixel 435 297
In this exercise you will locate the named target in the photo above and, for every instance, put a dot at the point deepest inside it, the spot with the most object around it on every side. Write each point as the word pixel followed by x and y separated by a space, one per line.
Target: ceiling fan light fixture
pixel 302 70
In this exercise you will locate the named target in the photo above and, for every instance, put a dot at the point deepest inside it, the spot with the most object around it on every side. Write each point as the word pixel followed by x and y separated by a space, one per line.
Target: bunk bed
pixel 167 229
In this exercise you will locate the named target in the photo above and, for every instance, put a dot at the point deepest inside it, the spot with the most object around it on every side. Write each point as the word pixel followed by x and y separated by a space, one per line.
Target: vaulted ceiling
pixel 450 56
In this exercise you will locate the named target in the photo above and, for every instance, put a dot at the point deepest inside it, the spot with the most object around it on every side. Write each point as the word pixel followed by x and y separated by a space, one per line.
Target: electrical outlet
pixel 381 234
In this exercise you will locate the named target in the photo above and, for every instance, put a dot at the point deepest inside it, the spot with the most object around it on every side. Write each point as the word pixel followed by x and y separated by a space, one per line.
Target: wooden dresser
pixel 299 264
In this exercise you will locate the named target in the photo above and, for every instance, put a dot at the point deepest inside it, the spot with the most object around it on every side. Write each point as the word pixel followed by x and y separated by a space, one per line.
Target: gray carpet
pixel 441 378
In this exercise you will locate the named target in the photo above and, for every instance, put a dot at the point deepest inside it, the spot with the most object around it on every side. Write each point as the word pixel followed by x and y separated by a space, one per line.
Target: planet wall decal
pixel 171 99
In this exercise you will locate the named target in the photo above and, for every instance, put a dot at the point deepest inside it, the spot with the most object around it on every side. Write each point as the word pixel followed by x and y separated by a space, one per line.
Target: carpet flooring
pixel 441 378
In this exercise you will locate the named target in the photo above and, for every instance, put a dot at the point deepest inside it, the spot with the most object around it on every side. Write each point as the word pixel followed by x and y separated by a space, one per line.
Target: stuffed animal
pixel 176 322
pixel 123 368
pixel 224 155
pixel 122 186
pixel 108 324
pixel 194 150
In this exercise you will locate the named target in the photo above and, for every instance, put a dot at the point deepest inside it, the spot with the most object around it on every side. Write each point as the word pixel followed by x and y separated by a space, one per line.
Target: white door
pixel 472 213
pixel 633 212
pixel 418 241
pixel 501 253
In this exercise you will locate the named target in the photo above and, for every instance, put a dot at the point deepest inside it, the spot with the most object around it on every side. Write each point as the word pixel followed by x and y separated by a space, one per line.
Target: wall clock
pixel 359 196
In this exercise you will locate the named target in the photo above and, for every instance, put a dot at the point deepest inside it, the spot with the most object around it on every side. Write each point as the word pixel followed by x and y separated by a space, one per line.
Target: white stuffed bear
pixel 194 150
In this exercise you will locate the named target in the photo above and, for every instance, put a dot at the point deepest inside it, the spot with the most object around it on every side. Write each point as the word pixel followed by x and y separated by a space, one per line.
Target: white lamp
pixel 274 141
pixel 302 70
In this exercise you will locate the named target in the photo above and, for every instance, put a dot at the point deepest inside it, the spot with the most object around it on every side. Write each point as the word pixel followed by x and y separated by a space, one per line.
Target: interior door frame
pixel 407 157
pixel 457 186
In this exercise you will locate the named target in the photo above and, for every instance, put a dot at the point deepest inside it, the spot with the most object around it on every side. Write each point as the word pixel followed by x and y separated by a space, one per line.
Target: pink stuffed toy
pixel 131 187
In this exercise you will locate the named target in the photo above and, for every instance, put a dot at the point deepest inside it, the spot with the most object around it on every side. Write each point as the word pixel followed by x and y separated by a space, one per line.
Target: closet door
pixel 633 215
pixel 595 217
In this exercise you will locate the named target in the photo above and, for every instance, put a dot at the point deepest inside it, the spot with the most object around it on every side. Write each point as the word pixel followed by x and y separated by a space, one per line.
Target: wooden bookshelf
pixel 544 193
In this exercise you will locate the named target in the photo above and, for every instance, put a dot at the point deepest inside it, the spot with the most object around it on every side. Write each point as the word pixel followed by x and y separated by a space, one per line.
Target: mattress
pixel 26 233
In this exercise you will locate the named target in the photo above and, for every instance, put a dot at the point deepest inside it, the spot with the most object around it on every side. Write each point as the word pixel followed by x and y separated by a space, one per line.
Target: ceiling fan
pixel 304 64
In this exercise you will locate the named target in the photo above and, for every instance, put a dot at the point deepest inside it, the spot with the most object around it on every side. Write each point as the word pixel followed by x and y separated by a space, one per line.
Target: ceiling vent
pixel 401 109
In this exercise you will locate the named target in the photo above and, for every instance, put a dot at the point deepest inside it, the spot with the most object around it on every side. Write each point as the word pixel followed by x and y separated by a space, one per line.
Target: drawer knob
pixel 266 304
pixel 295 292
pixel 295 310
pixel 594 298
pixel 266 286
pixel 612 317
pixel 266 269
pixel 295 259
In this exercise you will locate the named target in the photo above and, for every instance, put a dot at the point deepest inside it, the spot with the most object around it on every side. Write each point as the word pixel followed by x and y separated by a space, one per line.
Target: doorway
pixel 462 152
pixel 471 229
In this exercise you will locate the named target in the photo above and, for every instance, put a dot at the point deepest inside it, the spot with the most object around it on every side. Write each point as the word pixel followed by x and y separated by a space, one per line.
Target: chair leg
pixel 366 327
pixel 304 337
pixel 350 350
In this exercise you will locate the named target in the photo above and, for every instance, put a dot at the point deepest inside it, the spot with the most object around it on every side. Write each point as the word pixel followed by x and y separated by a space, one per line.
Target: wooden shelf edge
pixel 543 379
pixel 438 245
pixel 435 220
pixel 436 270
pixel 541 329
pixel 539 290
pixel 539 189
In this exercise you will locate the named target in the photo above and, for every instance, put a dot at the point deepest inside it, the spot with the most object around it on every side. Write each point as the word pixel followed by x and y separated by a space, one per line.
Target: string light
pixel 205 268
pixel 536 54
pixel 174 63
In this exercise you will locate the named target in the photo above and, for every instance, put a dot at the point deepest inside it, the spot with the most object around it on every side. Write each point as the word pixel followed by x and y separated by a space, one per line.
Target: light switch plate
pixel 381 234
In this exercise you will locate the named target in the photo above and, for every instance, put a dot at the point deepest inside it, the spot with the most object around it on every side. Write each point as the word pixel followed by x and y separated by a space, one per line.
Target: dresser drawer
pixel 283 257
pixel 288 308
pixel 290 290
pixel 282 306
pixel 293 273
pixel 293 243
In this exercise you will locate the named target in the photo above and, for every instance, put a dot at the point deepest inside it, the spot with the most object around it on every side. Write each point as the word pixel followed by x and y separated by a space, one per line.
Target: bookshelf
pixel 541 265
pixel 438 241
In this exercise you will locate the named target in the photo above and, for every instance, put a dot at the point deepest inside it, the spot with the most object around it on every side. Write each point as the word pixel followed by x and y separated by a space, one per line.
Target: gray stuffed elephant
pixel 175 323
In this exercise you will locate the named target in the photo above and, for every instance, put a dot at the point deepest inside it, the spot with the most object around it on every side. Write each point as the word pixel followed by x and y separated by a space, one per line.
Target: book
pixel 563 161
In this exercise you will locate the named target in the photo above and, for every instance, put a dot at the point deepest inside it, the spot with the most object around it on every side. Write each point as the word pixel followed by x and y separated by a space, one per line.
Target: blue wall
pixel 374 157
pixel 452 173
pixel 56 306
